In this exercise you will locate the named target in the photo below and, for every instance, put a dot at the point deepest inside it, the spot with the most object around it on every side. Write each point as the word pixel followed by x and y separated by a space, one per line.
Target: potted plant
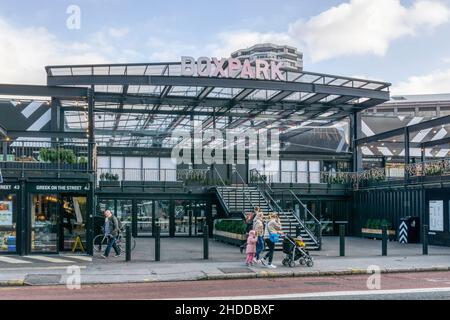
pixel 108 179
pixel 373 229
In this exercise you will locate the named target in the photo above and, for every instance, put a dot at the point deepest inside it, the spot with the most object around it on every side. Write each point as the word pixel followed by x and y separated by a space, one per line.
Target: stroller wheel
pixel 285 262
pixel 302 261
pixel 310 263
pixel 291 264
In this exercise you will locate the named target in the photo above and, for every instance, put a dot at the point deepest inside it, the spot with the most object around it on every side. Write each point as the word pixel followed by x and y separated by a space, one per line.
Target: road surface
pixel 430 285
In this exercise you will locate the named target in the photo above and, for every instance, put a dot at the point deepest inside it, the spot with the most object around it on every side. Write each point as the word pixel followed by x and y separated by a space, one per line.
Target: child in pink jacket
pixel 251 247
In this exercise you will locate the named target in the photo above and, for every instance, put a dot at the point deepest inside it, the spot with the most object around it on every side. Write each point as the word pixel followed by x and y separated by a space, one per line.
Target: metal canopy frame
pixel 141 104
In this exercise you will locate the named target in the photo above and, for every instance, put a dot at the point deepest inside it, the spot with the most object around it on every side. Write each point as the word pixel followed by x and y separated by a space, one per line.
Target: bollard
pixel 425 240
pixel 128 243
pixel 158 243
pixel 384 240
pixel 319 234
pixel 342 240
pixel 206 242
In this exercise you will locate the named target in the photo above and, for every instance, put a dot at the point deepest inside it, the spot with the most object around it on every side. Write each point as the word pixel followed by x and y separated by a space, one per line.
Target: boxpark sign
pixel 232 68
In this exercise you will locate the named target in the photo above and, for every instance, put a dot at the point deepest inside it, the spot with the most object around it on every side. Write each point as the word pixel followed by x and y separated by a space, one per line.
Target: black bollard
pixel 206 242
pixel 384 241
pixel 319 234
pixel 158 243
pixel 342 240
pixel 128 243
pixel 425 240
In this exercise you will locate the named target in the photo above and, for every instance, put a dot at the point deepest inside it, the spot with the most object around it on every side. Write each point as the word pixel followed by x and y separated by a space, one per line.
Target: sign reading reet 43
pixel 232 68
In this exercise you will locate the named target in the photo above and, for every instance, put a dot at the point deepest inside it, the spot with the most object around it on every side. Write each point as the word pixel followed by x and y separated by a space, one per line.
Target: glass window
pixel 133 169
pixel 151 169
pixel 8 222
pixel 314 171
pixel 386 111
pixel 430 112
pixel 406 111
pixel 103 205
pixel 144 217
pixel 44 223
pixel 168 169
pixel 74 216
pixel 302 171
pixel 103 162
pixel 288 174
pixel 272 170
pixel 445 111
pixel 117 166
pixel 162 213
pixel 124 211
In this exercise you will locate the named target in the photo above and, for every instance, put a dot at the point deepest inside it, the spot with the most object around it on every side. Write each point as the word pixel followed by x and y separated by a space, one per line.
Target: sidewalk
pixel 230 265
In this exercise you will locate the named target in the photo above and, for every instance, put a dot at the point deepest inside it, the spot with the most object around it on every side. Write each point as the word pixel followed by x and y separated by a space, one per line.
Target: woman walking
pixel 258 227
pixel 271 236
pixel 249 219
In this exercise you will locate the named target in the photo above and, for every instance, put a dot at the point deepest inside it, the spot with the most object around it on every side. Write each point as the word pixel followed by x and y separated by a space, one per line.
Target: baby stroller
pixel 294 248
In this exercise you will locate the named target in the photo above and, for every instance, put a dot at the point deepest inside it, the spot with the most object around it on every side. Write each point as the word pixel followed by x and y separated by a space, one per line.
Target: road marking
pixel 48 259
pixel 82 258
pixel 38 268
pixel 13 261
pixel 325 294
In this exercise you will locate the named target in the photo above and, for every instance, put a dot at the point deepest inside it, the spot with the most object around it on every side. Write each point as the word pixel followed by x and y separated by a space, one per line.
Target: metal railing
pixel 429 168
pixel 188 176
pixel 309 223
pixel 46 156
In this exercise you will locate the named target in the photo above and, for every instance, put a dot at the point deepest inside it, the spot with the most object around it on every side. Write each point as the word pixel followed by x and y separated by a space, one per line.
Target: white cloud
pixel 118 32
pixel 365 26
pixel 24 52
pixel 433 83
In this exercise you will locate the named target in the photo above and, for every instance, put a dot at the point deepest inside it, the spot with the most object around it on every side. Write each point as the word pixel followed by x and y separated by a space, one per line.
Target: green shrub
pixel 232 226
pixel 378 223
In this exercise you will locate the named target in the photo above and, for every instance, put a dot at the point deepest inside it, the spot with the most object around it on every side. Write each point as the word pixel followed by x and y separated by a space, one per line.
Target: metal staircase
pixel 239 199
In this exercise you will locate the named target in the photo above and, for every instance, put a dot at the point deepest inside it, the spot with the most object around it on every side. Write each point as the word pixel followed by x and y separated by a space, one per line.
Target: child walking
pixel 251 247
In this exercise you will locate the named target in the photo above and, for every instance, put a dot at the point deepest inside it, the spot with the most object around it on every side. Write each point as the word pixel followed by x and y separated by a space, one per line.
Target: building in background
pixel 291 58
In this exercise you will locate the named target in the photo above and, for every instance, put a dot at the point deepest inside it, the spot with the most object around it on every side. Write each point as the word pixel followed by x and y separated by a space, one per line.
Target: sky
pixel 404 42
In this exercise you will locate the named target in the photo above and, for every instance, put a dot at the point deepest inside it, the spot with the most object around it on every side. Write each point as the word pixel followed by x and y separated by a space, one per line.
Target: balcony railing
pixel 188 176
pixel 412 172
pixel 25 156
pixel 307 177
pixel 429 168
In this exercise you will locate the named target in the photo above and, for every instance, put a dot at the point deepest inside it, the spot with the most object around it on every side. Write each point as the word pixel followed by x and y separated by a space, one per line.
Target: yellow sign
pixel 78 243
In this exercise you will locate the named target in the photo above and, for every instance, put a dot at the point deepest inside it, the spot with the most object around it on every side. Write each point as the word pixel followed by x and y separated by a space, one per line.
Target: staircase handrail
pixel 269 195
pixel 305 207
pixel 242 179
pixel 220 177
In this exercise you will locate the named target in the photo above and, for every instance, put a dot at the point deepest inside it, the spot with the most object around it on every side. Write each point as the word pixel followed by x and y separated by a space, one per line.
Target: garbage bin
pixel 409 230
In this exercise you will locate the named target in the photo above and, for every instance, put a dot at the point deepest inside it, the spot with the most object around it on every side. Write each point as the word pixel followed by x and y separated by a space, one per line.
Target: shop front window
pixel 162 213
pixel 74 215
pixel 145 217
pixel 124 211
pixel 44 223
pixel 8 223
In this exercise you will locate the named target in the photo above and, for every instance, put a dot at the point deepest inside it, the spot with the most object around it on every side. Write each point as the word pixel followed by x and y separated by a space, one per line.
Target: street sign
pixel 403 234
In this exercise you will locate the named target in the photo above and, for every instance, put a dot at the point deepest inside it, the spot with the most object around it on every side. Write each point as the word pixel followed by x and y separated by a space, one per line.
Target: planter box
pixel 114 184
pixel 230 238
pixel 377 233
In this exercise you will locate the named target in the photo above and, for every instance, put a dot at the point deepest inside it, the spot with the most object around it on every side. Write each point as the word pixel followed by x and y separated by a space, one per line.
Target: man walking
pixel 111 228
